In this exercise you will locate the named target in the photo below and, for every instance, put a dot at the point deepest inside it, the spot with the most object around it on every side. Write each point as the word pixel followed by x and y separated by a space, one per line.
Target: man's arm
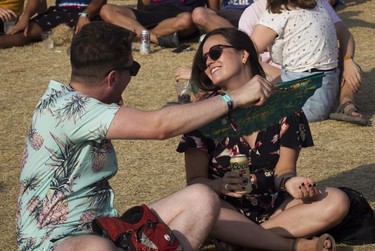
pixel 92 9
pixel 170 121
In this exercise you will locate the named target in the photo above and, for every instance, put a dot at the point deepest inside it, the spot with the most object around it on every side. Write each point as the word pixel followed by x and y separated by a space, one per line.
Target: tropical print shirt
pixel 66 165
pixel 264 198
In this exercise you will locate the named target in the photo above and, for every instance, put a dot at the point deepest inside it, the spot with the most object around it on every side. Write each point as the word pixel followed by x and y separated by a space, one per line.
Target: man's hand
pixel 7 15
pixel 82 20
pixel 254 92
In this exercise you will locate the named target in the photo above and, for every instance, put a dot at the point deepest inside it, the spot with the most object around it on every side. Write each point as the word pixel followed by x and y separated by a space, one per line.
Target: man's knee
pixel 206 196
pixel 184 21
pixel 199 16
pixel 106 12
pixel 86 243
pixel 109 11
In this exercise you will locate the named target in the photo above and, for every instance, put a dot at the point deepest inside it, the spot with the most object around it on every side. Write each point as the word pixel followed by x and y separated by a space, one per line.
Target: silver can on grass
pixel 144 47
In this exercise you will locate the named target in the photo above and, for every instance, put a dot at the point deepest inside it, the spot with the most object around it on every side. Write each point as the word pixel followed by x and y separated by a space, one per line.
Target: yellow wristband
pixel 347 57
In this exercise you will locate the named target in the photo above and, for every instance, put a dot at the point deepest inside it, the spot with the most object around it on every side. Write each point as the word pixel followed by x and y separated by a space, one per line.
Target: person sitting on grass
pixel 280 210
pixel 29 28
pixel 69 159
pixel 168 21
pixel 349 75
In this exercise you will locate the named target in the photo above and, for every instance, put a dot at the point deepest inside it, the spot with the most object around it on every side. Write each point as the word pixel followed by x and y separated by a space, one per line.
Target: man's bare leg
pixel 87 243
pixel 207 19
pixel 19 39
pixel 190 213
pixel 182 24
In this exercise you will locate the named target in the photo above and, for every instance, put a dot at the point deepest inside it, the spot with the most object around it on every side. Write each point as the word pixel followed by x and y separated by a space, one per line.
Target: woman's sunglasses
pixel 214 53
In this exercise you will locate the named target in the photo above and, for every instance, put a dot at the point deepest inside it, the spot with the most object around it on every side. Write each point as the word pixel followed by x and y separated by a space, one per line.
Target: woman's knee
pixel 336 205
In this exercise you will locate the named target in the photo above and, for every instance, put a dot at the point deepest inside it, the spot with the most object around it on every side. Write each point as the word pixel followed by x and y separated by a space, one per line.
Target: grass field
pixel 344 154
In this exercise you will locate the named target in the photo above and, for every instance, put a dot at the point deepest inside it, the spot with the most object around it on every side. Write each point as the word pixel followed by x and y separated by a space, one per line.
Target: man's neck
pixel 92 91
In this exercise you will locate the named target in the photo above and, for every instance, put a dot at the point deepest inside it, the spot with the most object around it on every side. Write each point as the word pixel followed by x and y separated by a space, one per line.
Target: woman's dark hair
pixel 236 38
pixel 277 6
pixel 98 48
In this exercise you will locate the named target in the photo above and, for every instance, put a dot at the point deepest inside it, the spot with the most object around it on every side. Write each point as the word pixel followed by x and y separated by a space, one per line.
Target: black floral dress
pixel 258 205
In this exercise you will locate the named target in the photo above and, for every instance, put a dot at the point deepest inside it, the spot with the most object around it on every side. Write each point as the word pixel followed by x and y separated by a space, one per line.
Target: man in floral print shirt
pixel 68 157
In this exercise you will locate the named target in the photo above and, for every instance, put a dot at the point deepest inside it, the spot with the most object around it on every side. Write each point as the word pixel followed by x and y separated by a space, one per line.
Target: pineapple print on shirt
pixel 66 165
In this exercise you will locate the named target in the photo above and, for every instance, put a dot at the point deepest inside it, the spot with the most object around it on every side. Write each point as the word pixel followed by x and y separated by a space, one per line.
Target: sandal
pixel 342 115
pixel 320 244
pixel 322 239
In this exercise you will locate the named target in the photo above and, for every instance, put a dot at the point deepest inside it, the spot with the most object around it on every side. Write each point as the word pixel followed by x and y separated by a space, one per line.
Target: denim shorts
pixel 324 100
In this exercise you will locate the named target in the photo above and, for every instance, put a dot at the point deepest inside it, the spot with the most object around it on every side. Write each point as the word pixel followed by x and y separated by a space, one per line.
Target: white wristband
pixel 83 14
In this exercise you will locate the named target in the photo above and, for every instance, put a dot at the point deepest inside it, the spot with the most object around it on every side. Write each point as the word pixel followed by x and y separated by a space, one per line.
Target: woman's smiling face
pixel 227 67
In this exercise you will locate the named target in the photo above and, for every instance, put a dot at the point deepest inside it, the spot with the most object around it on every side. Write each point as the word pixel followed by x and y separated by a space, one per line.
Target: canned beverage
pixel 144 47
pixel 238 163
pixel 8 25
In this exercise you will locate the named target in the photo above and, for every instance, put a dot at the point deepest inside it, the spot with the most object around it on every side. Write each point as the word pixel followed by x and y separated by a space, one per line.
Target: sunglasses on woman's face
pixel 214 53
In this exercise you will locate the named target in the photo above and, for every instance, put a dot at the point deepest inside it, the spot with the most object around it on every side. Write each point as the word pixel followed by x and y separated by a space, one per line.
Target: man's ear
pixel 111 78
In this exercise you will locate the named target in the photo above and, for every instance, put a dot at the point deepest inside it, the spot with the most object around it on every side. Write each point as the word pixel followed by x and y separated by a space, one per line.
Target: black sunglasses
pixel 214 53
pixel 133 69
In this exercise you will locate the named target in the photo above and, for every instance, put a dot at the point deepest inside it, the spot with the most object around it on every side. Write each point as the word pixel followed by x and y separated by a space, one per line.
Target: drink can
pixel 9 25
pixel 144 47
pixel 238 163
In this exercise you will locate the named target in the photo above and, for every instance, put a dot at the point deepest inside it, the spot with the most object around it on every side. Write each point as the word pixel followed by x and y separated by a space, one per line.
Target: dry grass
pixel 344 154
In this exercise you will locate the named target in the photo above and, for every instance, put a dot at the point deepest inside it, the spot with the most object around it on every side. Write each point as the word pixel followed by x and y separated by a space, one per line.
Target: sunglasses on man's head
pixel 133 69
pixel 214 53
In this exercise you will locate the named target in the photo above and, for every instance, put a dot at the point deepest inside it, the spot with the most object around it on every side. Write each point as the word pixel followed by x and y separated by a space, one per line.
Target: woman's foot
pixel 324 243
pixel 348 111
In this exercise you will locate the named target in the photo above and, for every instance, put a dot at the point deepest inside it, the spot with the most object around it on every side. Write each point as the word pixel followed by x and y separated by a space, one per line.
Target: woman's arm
pixel 196 165
pixel 262 37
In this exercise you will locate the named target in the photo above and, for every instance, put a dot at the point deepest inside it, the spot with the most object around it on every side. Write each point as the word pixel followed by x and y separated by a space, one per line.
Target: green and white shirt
pixel 66 165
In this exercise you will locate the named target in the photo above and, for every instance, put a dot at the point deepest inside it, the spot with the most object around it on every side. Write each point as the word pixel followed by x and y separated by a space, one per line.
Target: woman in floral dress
pixel 282 209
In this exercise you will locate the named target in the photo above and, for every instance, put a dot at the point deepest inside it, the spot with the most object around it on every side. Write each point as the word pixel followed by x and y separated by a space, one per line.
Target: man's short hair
pixel 98 48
